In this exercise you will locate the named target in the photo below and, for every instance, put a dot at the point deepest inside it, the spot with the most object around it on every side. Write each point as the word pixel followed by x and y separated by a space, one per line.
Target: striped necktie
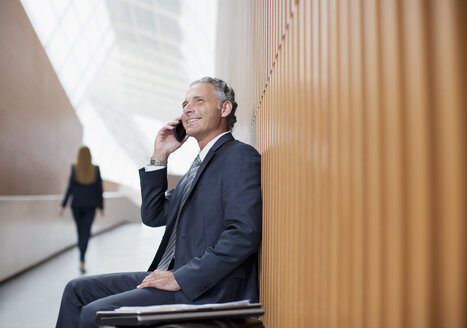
pixel 185 185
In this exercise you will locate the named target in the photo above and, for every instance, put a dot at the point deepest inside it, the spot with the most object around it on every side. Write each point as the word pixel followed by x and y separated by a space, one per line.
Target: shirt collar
pixel 202 154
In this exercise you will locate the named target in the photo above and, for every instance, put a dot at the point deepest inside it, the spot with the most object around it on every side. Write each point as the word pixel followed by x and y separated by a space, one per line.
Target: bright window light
pixel 126 66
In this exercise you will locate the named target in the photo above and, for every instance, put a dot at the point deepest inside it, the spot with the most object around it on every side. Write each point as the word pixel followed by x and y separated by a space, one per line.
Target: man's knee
pixel 74 289
pixel 71 287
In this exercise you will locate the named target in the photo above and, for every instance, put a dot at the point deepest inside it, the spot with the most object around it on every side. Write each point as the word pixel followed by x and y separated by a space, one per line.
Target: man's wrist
pixel 157 162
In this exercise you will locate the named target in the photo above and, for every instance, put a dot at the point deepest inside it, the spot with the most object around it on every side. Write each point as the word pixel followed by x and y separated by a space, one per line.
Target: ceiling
pixel 125 66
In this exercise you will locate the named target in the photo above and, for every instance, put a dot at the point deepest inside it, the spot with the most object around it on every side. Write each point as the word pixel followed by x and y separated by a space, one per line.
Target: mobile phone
pixel 179 131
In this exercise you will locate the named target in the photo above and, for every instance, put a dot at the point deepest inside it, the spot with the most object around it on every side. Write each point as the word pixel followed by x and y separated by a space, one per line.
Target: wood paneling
pixel 39 131
pixel 359 111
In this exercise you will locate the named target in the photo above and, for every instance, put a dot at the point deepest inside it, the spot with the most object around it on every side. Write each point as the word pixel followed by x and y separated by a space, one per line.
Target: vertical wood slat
pixel 419 164
pixel 344 207
pixel 359 122
pixel 449 53
pixel 334 245
pixel 372 163
pixel 357 144
pixel 393 163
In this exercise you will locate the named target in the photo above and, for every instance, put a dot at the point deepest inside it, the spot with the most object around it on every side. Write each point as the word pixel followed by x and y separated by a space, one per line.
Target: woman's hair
pixel 85 172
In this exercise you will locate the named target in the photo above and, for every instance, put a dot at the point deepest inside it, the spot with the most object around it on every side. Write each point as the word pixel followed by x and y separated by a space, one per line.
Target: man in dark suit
pixel 209 252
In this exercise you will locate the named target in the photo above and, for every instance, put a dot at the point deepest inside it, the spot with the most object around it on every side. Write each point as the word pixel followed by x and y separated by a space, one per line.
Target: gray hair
pixel 223 93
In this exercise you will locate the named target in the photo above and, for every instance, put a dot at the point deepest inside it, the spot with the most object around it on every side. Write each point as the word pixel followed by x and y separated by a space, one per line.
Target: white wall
pixel 31 230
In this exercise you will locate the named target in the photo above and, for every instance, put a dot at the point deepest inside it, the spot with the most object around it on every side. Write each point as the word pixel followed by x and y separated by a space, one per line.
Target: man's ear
pixel 226 108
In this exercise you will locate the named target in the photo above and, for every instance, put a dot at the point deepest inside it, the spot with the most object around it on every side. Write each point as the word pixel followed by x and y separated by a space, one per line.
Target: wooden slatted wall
pixel 360 119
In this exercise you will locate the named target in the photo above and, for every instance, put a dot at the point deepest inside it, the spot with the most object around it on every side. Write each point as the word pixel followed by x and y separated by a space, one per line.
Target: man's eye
pixel 200 100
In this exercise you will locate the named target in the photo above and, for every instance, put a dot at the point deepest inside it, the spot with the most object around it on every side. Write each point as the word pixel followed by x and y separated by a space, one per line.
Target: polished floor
pixel 32 299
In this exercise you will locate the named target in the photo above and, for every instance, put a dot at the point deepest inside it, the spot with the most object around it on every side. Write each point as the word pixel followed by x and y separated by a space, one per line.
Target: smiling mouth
pixel 192 120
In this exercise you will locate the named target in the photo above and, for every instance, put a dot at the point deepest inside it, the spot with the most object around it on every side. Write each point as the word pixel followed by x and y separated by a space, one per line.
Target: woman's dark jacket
pixel 84 195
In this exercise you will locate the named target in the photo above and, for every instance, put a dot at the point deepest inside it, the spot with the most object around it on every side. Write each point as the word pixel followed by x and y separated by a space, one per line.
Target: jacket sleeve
pixel 155 202
pixel 100 202
pixel 69 189
pixel 242 224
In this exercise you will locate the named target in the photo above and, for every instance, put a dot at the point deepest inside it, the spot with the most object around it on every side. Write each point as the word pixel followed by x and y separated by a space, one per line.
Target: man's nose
pixel 188 108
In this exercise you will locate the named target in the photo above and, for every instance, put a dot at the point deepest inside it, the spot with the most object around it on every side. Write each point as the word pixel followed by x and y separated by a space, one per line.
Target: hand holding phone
pixel 179 131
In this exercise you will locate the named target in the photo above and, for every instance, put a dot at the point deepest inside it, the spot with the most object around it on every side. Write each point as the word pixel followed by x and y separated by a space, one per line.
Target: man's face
pixel 201 117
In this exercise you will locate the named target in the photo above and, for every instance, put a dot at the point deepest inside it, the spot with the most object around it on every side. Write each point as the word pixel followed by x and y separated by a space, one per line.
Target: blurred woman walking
pixel 85 188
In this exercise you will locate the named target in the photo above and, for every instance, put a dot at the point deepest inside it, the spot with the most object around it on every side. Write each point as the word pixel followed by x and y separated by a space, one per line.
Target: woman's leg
pixel 83 218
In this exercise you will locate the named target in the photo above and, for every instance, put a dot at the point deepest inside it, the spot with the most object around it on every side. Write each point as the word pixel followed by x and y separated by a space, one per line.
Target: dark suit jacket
pixel 84 195
pixel 219 229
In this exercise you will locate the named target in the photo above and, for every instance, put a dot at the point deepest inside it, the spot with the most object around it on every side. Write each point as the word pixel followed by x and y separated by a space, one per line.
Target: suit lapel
pixel 222 140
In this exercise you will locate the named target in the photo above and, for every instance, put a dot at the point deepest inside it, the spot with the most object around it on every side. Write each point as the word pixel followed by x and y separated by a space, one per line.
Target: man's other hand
pixel 164 280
